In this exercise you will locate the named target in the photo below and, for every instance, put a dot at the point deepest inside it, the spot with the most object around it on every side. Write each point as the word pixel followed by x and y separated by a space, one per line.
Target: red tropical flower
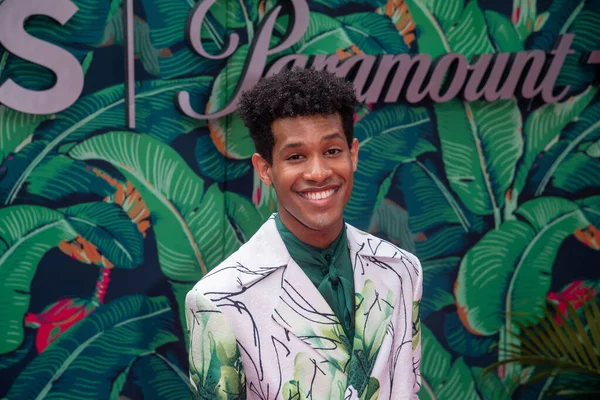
pixel 576 293
pixel 57 318
pixel 60 316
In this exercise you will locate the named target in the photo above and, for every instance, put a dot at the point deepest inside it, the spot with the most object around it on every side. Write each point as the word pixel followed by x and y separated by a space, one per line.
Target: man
pixel 309 307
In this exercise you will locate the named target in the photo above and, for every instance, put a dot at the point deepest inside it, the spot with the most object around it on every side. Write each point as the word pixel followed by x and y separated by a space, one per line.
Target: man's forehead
pixel 299 126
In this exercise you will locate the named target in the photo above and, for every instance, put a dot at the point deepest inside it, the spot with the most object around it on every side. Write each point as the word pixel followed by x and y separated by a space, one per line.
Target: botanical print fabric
pixel 259 328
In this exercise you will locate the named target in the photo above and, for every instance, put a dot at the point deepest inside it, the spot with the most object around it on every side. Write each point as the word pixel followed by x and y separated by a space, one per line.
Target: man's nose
pixel 317 170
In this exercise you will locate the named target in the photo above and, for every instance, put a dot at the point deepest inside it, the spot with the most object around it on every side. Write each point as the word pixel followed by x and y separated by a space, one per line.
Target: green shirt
pixel 330 270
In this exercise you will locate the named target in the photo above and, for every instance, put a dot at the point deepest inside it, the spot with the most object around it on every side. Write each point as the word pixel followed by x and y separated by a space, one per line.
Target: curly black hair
pixel 291 93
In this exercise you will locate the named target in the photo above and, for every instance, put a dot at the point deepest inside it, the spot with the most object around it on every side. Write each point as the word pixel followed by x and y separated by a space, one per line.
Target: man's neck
pixel 317 238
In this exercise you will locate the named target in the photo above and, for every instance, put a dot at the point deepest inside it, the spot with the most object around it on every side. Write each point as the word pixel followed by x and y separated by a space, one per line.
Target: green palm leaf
pixel 216 166
pixel 246 217
pixel 59 178
pixel 443 242
pixel 110 229
pixel 441 378
pixel 430 37
pixel 563 351
pixel 167 20
pixel 577 172
pixel 507 274
pixel 446 12
pixel 465 343
pixel 591 208
pixel 324 35
pixel 481 143
pixel 562 13
pixel 526 13
pixel 429 202
pixel 190 236
pixel 89 357
pixel 505 37
pixel 235 13
pixel 470 35
pixel 14 357
pixel 373 33
pixel 592 149
pixel 143 48
pixel 229 133
pixel 169 188
pixel 440 223
pixel 16 129
pixel 542 128
pixel 489 385
pixel 586 27
pixel 438 280
pixel 586 128
pixel 388 137
pixel 26 234
pixel 158 377
pixel 334 4
pixel 392 220
pixel 104 109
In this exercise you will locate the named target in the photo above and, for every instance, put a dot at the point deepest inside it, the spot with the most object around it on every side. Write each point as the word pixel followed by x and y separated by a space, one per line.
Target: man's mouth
pixel 318 195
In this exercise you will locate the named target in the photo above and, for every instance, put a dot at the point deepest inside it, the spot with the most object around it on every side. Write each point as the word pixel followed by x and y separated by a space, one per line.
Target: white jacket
pixel 259 328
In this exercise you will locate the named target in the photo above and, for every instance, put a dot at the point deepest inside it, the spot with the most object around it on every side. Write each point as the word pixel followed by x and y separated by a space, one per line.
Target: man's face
pixel 312 172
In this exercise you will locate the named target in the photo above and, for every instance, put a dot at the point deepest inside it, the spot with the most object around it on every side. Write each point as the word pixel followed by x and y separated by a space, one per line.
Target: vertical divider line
pixel 129 63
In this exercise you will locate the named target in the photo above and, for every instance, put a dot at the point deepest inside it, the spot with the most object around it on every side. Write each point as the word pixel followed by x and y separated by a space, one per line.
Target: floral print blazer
pixel 259 329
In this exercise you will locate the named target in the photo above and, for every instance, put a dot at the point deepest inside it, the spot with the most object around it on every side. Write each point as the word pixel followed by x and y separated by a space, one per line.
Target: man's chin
pixel 324 223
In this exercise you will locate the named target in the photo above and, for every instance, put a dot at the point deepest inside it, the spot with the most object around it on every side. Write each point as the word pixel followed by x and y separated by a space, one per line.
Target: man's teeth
pixel 318 195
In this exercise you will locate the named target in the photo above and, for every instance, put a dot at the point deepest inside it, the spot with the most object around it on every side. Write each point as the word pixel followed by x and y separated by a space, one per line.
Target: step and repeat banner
pixel 125 176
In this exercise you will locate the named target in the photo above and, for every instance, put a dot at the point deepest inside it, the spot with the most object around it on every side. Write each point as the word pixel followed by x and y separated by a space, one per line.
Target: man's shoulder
pixel 223 276
pixel 370 245
pixel 255 251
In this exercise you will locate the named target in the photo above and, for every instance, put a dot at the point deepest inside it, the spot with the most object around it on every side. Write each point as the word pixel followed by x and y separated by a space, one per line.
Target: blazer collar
pixel 265 251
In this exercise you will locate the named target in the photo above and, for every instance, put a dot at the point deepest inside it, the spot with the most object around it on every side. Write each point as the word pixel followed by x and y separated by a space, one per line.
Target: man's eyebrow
pixel 331 136
pixel 295 145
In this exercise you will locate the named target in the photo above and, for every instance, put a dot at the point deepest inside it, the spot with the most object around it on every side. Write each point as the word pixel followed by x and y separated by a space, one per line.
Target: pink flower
pixel 576 293
pixel 57 318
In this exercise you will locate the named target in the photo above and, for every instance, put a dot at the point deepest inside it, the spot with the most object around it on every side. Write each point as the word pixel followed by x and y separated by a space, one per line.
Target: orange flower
pixel 85 252
pixel 129 199
pixel 590 236
pixel 398 12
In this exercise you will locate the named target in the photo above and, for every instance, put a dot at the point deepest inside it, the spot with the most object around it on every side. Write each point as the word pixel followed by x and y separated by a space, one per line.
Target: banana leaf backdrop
pixel 103 229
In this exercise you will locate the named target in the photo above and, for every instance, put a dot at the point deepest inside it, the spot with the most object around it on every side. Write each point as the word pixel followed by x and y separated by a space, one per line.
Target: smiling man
pixel 310 307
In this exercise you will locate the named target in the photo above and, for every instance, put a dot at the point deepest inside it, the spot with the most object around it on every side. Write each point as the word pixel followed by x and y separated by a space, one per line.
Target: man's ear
pixel 354 154
pixel 263 168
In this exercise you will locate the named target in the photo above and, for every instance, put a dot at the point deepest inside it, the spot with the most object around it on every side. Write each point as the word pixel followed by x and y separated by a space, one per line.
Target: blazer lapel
pixel 304 312
pixel 300 309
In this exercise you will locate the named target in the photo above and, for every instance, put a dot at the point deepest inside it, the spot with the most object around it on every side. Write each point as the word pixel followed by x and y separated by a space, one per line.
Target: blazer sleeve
pixel 416 328
pixel 406 361
pixel 215 363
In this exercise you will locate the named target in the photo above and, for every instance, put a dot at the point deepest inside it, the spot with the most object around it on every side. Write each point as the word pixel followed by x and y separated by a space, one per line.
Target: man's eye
pixel 294 157
pixel 332 152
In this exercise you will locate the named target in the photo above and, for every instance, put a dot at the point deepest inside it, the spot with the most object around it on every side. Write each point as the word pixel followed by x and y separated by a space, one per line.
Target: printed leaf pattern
pixel 518 255
pixel 481 159
pixel 498 200
pixel 27 233
pixel 101 345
